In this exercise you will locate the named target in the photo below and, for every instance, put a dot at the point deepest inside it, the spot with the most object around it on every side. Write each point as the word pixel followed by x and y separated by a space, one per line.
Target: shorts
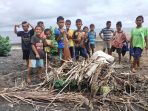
pixel 106 44
pixel 35 63
pixel 26 54
pixel 92 46
pixel 118 50
pixel 137 52
pixel 79 51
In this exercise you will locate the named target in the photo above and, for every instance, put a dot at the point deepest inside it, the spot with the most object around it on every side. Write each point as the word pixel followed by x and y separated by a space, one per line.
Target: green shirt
pixel 138 37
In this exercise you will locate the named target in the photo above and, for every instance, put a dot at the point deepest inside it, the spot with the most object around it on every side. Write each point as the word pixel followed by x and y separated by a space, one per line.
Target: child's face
pixel 79 25
pixel 139 21
pixel 118 27
pixel 108 25
pixel 92 28
pixel 67 25
pixel 60 23
pixel 42 25
pixel 25 27
pixel 38 31
pixel 86 30
pixel 48 34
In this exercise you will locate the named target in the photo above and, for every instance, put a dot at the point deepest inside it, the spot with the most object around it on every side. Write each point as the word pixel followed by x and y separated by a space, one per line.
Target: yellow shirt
pixel 70 33
pixel 47 48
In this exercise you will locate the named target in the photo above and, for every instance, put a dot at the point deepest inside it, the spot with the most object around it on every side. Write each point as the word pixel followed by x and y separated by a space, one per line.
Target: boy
pixel 41 24
pixel 86 41
pixel 79 41
pixel 119 39
pixel 139 41
pixel 48 42
pixel 107 36
pixel 70 37
pixel 36 54
pixel 92 37
pixel 25 35
pixel 62 40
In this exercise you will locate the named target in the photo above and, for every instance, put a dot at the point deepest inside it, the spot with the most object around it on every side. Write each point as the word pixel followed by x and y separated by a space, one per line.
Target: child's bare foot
pixel 133 70
pixel 28 80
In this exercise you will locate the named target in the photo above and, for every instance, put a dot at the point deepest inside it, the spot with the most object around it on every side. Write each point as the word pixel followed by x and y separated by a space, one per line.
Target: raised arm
pixel 15 28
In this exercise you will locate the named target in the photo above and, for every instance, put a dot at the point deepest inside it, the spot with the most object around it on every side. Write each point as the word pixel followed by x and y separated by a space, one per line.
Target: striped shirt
pixel 107 33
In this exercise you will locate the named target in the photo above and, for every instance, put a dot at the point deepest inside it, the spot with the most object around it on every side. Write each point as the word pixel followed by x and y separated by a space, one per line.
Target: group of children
pixel 68 44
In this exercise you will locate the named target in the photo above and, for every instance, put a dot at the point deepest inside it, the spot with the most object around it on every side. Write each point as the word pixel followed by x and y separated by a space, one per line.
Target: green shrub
pixel 5 46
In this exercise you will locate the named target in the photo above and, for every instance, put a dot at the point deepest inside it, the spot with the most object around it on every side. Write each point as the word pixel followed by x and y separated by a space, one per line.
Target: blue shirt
pixel 61 41
pixel 92 37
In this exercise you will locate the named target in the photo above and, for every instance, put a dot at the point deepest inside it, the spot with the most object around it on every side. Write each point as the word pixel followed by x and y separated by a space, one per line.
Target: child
pixel 119 39
pixel 79 41
pixel 48 43
pixel 36 54
pixel 70 37
pixel 25 35
pixel 139 41
pixel 41 24
pixel 107 36
pixel 92 37
pixel 62 40
pixel 86 41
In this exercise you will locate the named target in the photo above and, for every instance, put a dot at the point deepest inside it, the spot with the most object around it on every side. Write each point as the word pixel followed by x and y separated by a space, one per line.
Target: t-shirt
pixel 61 41
pixel 107 33
pixel 119 39
pixel 38 43
pixel 138 37
pixel 25 39
pixel 78 37
pixel 92 37
pixel 70 33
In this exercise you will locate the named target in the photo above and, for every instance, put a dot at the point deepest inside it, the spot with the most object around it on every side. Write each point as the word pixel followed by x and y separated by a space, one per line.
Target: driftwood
pixel 120 90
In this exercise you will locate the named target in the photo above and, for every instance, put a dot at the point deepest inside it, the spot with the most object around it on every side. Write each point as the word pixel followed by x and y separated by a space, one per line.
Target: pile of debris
pixel 94 83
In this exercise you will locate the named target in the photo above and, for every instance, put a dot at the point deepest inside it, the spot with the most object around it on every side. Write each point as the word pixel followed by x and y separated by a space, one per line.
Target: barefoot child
pixel 62 40
pixel 36 54
pixel 92 37
pixel 107 36
pixel 119 39
pixel 25 35
pixel 79 41
pixel 139 41
pixel 70 37
pixel 86 41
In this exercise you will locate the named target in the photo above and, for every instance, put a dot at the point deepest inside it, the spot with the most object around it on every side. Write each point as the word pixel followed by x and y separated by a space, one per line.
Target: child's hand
pixel 17 26
pixel 38 56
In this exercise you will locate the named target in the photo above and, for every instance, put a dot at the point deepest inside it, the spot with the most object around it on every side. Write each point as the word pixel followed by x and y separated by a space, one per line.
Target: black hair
pixel 68 21
pixel 46 30
pixel 39 26
pixel 78 20
pixel 140 16
pixel 40 22
pixel 85 27
pixel 92 25
pixel 60 18
pixel 108 22
pixel 119 23
pixel 24 22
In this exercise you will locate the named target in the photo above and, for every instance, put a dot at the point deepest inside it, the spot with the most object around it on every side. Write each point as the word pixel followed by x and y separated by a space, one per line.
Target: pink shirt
pixel 119 38
pixel 43 35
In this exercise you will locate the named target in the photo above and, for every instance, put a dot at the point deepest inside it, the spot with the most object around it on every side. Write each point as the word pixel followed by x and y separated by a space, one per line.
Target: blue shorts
pixel 34 63
pixel 136 52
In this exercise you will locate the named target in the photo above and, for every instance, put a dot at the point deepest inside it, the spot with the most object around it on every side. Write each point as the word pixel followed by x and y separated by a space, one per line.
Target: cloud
pixel 91 11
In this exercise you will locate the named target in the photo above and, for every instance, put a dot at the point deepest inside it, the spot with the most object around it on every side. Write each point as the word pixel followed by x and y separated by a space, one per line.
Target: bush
pixel 5 46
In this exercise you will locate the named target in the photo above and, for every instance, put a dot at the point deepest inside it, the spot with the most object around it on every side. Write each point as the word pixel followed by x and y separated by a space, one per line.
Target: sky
pixel 90 11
